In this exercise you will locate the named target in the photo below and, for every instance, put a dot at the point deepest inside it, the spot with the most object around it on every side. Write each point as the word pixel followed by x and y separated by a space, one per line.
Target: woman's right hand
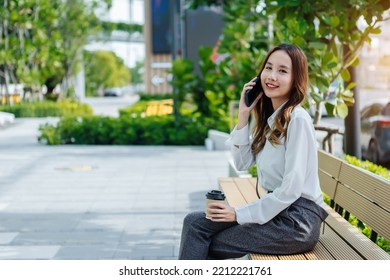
pixel 244 111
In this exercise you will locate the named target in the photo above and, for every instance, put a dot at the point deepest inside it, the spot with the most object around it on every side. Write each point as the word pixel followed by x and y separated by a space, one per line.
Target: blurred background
pixel 187 60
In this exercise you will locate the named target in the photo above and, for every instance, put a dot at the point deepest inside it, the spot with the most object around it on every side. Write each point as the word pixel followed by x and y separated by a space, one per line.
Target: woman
pixel 288 219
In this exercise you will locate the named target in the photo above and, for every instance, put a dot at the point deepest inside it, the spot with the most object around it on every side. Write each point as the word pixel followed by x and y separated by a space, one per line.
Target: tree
pixel 136 73
pixel 331 33
pixel 77 22
pixel 41 40
pixel 103 69
pixel 324 30
pixel 23 40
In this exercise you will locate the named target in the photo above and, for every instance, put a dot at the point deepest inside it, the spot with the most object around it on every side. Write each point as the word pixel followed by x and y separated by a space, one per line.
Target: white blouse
pixel 289 170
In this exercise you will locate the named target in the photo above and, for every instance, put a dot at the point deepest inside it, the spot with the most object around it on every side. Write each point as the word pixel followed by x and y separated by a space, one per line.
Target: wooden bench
pixel 159 107
pixel 352 190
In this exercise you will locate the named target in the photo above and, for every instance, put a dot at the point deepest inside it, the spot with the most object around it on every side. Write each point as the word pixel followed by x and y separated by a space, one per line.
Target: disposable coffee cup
pixel 214 196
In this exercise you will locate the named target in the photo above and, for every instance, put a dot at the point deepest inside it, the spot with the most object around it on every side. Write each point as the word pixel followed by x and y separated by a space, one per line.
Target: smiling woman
pixel 287 219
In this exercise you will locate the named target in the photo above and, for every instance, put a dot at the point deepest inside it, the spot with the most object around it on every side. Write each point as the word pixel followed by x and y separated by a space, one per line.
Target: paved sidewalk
pixel 98 202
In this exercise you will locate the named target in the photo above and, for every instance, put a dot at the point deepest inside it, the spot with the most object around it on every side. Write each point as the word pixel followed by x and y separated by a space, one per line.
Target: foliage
pixel 127 130
pixel 253 171
pixel 104 69
pixel 183 81
pixel 227 67
pixel 329 32
pixel 150 97
pixel 41 40
pixel 136 73
pixel 108 27
pixel 48 109
pixel 368 165
pixel 137 109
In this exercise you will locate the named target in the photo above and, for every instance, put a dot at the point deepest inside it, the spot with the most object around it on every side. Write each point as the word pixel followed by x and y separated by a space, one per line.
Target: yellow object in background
pixel 14 98
pixel 158 108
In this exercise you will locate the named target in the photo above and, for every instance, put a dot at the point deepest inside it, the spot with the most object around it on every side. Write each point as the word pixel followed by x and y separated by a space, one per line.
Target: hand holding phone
pixel 251 94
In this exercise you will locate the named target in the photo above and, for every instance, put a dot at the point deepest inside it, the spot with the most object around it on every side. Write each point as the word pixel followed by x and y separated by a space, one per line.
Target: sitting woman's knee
pixel 191 217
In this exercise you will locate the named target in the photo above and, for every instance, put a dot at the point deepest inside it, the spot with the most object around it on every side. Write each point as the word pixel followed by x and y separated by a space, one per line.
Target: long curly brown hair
pixel 264 109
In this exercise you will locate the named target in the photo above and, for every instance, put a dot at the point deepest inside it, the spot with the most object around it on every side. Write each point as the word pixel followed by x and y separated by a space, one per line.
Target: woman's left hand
pixel 220 212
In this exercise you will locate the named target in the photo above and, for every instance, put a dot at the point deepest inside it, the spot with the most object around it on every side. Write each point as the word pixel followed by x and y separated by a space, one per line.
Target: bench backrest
pixel 361 193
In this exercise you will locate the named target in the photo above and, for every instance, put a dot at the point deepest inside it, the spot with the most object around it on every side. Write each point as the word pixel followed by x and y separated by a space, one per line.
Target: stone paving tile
pixel 7 237
pixel 28 252
pixel 40 238
pixel 98 202
pixel 85 252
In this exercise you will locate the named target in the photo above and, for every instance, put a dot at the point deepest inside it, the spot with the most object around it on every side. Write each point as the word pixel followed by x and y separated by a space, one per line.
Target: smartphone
pixel 251 94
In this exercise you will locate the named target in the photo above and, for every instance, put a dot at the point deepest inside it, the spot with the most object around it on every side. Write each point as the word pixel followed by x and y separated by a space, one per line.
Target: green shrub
pixel 49 135
pixel 155 97
pixel 136 110
pixel 136 130
pixel 368 165
pixel 48 108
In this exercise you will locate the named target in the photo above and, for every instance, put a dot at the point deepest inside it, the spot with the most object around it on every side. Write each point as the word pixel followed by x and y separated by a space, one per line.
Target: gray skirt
pixel 294 230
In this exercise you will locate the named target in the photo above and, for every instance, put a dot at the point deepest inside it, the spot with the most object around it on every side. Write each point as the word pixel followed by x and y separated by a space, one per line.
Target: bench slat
pixel 262 257
pixel 375 188
pixel 336 246
pixel 247 190
pixel 292 257
pixel 319 253
pixel 233 195
pixel 368 249
pixel 366 211
pixel 328 183
pixel 329 163
pixel 262 191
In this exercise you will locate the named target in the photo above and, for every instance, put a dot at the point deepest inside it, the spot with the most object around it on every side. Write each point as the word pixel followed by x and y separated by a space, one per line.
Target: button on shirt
pixel 289 170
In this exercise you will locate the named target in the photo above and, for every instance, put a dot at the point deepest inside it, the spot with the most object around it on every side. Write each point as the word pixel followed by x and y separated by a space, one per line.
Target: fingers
pixel 249 85
pixel 219 212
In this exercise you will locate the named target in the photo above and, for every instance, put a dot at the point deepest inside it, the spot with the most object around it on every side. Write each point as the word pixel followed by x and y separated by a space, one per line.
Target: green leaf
pixel 346 75
pixel 348 100
pixel 330 109
pixel 376 30
pixel 327 20
pixel 327 58
pixel 316 96
pixel 342 110
pixel 356 36
pixel 299 41
pixel 332 65
pixel 322 83
pixel 349 86
pixel 335 21
pixel 347 97
pixel 317 45
pixel 356 61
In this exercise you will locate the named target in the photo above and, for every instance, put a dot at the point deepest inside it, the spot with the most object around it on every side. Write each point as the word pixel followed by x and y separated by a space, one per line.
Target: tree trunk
pixel 317 114
pixel 352 123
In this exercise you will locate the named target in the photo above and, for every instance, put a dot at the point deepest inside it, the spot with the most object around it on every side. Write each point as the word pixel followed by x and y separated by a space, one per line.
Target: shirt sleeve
pixel 298 151
pixel 242 155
